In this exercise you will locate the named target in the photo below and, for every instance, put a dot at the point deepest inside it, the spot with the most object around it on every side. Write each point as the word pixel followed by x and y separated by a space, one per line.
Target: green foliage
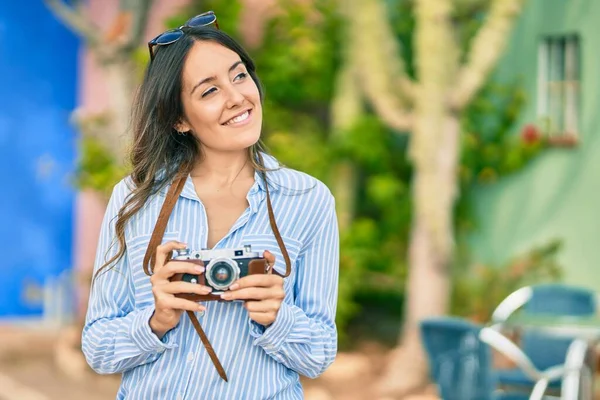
pixel 478 289
pixel 227 12
pixel 490 150
pixel 97 169
pixel 301 53
pixel 298 62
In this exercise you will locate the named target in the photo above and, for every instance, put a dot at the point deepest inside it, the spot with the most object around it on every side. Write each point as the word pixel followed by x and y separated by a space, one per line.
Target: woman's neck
pixel 223 169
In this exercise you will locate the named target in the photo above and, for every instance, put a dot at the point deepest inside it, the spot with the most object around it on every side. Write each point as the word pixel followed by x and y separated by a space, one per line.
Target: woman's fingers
pixel 252 293
pixel 185 287
pixel 164 250
pixel 265 306
pixel 263 318
pixel 258 280
pixel 270 257
pixel 176 303
pixel 179 267
pixel 255 293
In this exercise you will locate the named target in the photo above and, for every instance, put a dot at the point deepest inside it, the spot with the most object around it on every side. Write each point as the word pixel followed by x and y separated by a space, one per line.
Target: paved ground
pixel 28 370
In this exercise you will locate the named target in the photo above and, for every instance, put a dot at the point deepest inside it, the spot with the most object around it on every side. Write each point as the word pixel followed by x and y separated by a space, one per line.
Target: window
pixel 559 85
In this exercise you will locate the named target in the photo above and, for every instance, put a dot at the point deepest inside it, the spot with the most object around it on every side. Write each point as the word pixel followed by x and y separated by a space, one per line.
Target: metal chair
pixel 574 375
pixel 543 350
pixel 460 363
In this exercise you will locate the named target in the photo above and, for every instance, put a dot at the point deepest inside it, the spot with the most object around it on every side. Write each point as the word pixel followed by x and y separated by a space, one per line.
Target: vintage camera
pixel 222 267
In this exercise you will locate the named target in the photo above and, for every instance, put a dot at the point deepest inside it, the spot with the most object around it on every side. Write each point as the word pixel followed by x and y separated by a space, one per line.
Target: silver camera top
pixel 187 254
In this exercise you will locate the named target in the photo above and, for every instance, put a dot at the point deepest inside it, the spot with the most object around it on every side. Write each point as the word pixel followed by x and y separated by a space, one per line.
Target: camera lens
pixel 221 273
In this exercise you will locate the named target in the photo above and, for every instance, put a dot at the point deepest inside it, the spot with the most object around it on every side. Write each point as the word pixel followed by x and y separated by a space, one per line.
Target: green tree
pixel 429 107
pixel 323 118
pixel 341 94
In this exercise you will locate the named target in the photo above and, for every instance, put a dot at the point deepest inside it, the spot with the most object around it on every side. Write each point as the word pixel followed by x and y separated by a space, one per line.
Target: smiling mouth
pixel 239 119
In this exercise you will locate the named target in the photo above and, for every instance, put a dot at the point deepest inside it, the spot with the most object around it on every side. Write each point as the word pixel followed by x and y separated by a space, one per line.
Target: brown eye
pixel 240 76
pixel 209 91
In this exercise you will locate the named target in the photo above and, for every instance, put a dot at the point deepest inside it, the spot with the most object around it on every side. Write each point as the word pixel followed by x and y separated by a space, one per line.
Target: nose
pixel 234 97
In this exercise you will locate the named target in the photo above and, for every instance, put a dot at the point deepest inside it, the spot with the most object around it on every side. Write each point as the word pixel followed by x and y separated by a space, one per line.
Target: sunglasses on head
pixel 173 35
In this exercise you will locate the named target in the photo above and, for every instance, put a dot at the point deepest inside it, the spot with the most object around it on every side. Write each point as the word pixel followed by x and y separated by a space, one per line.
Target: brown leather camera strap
pixel 150 259
pixel 209 349
pixel 157 236
pixel 161 224
pixel 286 256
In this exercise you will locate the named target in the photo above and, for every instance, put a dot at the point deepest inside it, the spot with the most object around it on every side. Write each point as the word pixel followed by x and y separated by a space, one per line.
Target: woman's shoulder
pixel 121 191
pixel 292 182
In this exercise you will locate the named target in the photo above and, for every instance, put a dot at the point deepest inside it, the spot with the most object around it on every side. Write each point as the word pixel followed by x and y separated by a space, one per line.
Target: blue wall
pixel 38 78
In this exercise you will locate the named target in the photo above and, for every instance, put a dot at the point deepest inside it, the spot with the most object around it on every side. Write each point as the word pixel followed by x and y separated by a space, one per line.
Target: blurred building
pixel 555 49
pixel 38 65
pixel 48 230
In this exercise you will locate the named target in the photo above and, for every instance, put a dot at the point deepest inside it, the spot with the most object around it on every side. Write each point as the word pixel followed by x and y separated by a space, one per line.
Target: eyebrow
pixel 212 78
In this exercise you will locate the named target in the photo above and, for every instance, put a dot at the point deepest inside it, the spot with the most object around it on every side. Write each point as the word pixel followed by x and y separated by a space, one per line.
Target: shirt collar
pixel 189 191
pixel 272 166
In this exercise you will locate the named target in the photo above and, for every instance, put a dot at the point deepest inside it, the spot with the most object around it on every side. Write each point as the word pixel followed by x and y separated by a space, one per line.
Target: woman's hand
pixel 263 294
pixel 167 307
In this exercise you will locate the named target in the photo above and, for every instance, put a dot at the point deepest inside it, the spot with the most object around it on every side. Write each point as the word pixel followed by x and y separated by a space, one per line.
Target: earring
pixel 181 133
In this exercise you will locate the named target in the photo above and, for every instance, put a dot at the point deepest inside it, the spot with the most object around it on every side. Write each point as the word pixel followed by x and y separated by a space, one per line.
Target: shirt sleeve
pixel 304 335
pixel 117 337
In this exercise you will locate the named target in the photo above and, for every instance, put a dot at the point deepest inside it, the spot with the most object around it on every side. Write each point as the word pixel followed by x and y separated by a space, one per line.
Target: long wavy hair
pixel 159 154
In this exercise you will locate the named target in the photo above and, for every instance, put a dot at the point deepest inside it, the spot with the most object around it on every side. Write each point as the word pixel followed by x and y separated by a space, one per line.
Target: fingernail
pixel 201 307
pixel 234 286
pixel 182 244
pixel 199 268
pixel 225 296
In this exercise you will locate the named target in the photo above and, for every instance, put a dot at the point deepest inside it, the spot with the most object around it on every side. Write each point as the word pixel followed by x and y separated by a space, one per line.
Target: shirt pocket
pixel 262 242
pixel 136 251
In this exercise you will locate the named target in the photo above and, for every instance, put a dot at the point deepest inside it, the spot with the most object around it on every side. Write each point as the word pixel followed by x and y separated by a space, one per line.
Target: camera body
pixel 222 267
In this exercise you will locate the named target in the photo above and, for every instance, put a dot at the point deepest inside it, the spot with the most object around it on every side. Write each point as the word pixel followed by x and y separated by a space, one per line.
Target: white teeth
pixel 239 118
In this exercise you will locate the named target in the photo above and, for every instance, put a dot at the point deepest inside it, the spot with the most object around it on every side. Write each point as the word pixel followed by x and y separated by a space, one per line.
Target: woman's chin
pixel 245 141
pixel 237 146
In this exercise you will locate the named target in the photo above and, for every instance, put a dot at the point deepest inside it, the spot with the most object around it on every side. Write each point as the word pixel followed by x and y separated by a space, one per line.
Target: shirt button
pixel 179 396
pixel 190 356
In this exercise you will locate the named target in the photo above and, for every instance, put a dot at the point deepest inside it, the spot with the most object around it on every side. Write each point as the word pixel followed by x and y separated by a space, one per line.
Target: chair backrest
pixel 559 299
pixel 544 350
pixel 459 362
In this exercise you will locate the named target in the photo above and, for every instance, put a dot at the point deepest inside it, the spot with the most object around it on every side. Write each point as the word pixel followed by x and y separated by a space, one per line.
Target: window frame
pixel 559 86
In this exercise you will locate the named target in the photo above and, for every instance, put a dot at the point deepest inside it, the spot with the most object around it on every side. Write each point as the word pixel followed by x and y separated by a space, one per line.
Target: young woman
pixel 200 173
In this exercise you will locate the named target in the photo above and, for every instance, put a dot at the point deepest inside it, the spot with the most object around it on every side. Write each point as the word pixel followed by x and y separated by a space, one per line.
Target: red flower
pixel 530 134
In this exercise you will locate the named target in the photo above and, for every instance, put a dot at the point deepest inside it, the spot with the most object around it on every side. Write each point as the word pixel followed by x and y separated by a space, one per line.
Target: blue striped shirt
pixel 260 363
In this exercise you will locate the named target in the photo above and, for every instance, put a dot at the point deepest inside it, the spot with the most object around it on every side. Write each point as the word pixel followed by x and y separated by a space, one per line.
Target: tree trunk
pixel 121 78
pixel 346 109
pixel 428 288
pixel 434 154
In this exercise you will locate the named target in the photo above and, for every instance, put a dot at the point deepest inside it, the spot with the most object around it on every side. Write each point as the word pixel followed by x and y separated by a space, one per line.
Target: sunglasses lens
pixel 168 37
pixel 202 20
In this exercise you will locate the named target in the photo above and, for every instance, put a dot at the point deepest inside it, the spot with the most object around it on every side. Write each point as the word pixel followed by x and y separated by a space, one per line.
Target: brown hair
pixel 159 153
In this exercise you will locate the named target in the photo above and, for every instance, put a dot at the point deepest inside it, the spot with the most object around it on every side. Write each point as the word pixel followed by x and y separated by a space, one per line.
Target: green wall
pixel 558 196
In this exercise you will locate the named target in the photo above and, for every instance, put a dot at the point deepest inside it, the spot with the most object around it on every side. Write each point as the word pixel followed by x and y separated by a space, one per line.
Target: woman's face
pixel 220 100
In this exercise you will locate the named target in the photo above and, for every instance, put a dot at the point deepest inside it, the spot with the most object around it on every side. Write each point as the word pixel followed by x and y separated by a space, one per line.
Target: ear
pixel 182 126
